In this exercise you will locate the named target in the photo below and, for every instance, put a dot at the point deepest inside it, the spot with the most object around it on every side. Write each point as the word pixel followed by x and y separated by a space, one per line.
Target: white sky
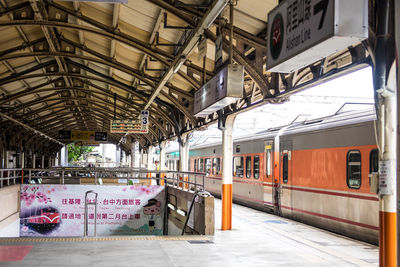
pixel 321 100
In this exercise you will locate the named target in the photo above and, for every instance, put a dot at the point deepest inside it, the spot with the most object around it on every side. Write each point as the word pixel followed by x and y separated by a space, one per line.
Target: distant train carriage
pixel 316 172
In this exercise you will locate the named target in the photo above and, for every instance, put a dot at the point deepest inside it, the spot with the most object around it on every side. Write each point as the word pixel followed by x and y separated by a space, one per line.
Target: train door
pixel 269 181
pixel 283 189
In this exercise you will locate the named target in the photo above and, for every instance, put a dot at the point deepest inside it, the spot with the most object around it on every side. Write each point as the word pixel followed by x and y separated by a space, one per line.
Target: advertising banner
pixel 59 210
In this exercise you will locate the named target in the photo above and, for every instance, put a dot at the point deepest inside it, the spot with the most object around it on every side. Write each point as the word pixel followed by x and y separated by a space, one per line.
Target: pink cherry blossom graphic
pixel 41 197
pixel 24 196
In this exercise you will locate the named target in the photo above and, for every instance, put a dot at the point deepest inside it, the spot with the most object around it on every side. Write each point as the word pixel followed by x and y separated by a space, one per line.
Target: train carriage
pixel 315 171
pixel 325 169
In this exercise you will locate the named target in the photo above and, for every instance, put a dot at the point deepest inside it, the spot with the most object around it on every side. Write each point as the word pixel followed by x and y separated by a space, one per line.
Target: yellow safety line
pixel 105 238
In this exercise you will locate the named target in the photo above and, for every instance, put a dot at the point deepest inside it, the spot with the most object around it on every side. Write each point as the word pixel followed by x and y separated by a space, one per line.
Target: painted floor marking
pixel 105 238
pixel 14 253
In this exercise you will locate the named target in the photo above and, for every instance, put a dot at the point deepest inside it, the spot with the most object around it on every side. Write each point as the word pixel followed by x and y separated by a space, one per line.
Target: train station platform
pixel 257 239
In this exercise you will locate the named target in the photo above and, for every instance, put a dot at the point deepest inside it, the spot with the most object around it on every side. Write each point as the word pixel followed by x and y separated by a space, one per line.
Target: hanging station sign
pixel 301 32
pixel 223 89
pixel 87 136
pixel 140 126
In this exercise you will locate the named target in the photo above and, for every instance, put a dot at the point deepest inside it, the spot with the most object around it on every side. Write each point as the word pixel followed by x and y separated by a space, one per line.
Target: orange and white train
pixel 316 172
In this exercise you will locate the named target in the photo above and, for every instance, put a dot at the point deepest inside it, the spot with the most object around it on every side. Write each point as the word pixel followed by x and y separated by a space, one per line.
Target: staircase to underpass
pixel 60 202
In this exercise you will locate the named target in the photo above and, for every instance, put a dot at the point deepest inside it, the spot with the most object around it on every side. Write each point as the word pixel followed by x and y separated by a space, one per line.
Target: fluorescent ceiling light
pixel 181 212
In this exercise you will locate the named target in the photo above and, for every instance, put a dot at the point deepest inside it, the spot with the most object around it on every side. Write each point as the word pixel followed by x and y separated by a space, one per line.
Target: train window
pixel 201 165
pixel 237 148
pixel 285 168
pixel 373 161
pixel 216 166
pixel 208 166
pixel 238 166
pixel 354 169
pixel 256 167
pixel 248 166
pixel 195 165
pixel 268 163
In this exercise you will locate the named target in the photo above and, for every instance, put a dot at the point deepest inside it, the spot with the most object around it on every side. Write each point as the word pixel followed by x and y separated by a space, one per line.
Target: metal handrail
pixel 86 218
pixel 191 181
pixel 9 175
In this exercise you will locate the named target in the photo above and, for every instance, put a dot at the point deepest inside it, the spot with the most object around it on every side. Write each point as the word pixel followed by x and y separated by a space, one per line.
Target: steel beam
pixel 211 14
pixel 30 128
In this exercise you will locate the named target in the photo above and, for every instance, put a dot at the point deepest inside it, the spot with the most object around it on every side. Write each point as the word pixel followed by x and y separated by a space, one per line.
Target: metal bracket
pixel 166 26
pixel 221 119
pixel 157 41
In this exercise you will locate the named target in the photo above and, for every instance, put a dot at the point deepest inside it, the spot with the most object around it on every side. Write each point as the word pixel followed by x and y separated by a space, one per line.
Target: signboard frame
pixel 223 89
pixel 140 126
pixel 301 32
pixel 85 136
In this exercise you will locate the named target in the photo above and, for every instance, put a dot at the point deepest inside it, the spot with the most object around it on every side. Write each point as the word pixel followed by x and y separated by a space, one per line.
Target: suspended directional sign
pixel 223 89
pixel 90 136
pixel 140 126
pixel 301 32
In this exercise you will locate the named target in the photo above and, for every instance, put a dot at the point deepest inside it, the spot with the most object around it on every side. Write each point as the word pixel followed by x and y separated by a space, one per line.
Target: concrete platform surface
pixel 258 239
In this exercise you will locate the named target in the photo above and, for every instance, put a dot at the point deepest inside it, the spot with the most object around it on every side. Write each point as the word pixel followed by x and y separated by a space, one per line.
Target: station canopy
pixel 79 65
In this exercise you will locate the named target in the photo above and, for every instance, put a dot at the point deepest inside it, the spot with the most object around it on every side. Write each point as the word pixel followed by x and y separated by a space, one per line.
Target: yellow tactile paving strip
pixel 105 238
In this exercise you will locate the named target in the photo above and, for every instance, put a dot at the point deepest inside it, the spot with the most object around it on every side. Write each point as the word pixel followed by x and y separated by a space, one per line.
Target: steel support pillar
pixel 58 159
pixel 184 159
pixel 34 161
pixel 150 165
pixel 162 161
pixel 135 155
pixel 22 155
pixel 6 159
pixel 1 157
pixel 397 42
pixel 42 165
pixel 386 111
pixel 66 163
pixel 227 180
pixel 22 162
pixel 3 160
pixel 387 198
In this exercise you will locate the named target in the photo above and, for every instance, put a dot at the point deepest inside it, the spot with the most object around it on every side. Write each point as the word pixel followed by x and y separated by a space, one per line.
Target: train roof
pixel 333 121
pixel 336 120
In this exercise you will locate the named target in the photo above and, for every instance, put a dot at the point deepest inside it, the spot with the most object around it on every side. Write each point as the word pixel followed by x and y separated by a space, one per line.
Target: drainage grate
pixel 105 238
pixel 276 222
